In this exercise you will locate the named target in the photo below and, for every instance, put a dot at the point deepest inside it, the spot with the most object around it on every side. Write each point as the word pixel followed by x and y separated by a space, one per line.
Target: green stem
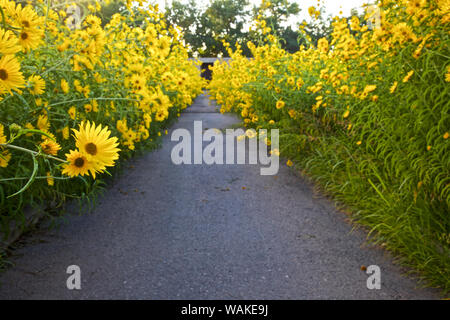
pixel 40 177
pixel 63 61
pixel 86 99
pixel 34 153
pixel 46 13
pixel 437 53
pixel 3 18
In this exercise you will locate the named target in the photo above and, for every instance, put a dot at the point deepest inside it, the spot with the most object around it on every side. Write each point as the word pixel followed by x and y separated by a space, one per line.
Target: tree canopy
pixel 229 20
pixel 206 28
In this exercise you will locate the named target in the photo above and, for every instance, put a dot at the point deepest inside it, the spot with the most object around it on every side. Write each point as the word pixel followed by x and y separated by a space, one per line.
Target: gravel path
pixel 163 231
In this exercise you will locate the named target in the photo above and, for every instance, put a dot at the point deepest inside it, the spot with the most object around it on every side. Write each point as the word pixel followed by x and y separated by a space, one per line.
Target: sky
pixel 332 7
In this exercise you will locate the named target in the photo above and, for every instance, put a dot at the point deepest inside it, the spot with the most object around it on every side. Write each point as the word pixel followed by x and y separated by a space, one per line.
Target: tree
pixel 318 28
pixel 225 20
pixel 204 30
pixel 108 10
pixel 276 14
pixel 187 16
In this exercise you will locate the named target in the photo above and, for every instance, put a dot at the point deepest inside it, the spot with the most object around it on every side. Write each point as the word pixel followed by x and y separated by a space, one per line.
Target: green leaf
pixel 25 131
pixel 30 181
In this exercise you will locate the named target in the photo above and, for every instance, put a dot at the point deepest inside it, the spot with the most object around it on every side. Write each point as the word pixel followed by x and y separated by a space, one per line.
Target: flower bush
pixel 74 101
pixel 366 114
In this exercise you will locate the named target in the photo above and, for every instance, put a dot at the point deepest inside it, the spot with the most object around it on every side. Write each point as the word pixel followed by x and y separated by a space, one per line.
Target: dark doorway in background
pixel 206 73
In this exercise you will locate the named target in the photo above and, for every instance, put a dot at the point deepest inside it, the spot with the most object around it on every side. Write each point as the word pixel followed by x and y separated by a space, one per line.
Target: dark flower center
pixel 91 149
pixel 3 74
pixel 79 162
pixel 26 23
pixel 24 36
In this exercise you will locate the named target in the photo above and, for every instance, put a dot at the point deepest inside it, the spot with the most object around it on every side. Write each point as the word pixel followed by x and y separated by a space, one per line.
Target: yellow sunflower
pixel 37 84
pixel 280 104
pixel 2 134
pixel 78 164
pixel 72 112
pixel 5 156
pixel 9 44
pixel 408 76
pixel 43 123
pixel 88 108
pixel 10 76
pixel 27 17
pixel 65 133
pixel 30 38
pixel 160 101
pixel 161 114
pixel 95 143
pixel 65 86
pixel 50 147
pixel 50 179
pixel 394 87
pixel 9 7
pixel 147 120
